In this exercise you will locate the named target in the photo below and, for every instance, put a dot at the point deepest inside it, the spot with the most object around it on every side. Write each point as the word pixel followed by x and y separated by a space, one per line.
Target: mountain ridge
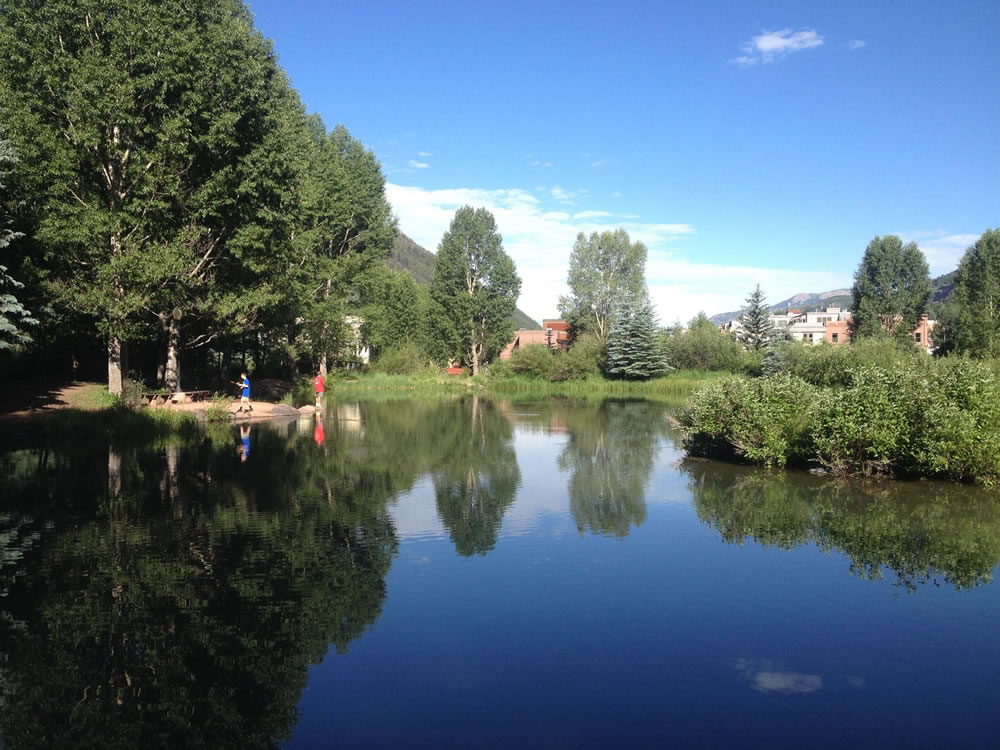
pixel 807 301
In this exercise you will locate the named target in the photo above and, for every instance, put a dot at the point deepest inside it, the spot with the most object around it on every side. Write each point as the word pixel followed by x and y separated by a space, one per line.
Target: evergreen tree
pixel 756 329
pixel 634 352
pixel 970 321
pixel 475 289
pixel 891 289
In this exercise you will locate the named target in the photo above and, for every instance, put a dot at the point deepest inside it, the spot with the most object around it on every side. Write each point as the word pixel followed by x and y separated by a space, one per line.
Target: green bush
pixel 828 364
pixel 862 428
pixel 763 421
pixel 534 359
pixel 915 417
pixel 406 359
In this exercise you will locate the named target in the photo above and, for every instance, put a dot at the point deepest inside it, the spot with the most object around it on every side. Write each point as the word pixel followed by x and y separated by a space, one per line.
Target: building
pixel 811 327
pixel 554 334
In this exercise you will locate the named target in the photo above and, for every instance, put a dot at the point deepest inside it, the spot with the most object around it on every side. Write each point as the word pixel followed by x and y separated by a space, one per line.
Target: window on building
pixel 916 337
pixel 834 337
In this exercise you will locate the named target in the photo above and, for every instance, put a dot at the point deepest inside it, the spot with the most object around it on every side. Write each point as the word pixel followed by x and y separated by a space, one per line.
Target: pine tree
pixel 756 329
pixel 634 353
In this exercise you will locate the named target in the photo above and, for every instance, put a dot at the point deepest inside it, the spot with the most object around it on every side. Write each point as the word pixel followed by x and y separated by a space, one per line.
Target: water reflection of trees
pixel 163 593
pixel 921 532
pixel 610 455
pixel 475 473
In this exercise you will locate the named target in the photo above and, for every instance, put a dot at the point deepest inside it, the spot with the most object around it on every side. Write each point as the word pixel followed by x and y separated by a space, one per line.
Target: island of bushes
pixel 872 408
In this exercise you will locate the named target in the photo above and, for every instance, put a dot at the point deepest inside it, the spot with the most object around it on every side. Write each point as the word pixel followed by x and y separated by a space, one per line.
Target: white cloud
pixel 603 162
pixel 540 163
pixel 856 44
pixel 418 164
pixel 424 154
pixel 617 194
pixel 540 239
pixel 942 249
pixel 773 45
pixel 567 197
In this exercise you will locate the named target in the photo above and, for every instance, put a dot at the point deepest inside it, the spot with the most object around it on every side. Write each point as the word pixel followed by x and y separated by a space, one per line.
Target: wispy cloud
pixel 567 197
pixel 539 235
pixel 856 44
pixel 419 164
pixel 773 45
pixel 617 194
pixel 424 154
pixel 942 249
pixel 540 163
pixel 603 162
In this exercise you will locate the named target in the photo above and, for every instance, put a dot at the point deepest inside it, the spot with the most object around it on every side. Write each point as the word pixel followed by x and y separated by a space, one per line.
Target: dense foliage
pixel 908 417
pixel 891 290
pixel 970 322
pixel 702 346
pixel 602 268
pixel 633 352
pixel 474 290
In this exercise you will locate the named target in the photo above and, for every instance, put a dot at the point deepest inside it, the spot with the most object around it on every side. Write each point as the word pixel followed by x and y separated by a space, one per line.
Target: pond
pixel 473 572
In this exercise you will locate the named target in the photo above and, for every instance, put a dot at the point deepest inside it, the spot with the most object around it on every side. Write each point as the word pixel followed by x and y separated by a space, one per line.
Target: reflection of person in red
pixel 319 385
pixel 319 434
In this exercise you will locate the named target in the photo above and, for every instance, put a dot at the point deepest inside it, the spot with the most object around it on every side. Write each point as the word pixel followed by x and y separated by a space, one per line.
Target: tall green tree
pixel 891 290
pixel 633 352
pixel 347 228
pixel 15 319
pixel 475 289
pixel 970 323
pixel 756 329
pixel 602 268
pixel 153 139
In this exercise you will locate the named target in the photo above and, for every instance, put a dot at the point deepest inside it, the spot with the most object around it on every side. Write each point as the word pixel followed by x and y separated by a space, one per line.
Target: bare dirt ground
pixel 23 399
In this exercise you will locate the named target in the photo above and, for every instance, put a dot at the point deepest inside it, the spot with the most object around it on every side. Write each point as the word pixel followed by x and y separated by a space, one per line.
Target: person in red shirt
pixel 319 385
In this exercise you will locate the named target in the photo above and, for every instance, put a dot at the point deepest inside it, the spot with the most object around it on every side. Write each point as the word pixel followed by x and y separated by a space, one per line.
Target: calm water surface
pixel 482 573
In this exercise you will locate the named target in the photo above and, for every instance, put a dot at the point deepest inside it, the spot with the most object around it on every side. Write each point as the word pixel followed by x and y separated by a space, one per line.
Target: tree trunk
pixel 114 472
pixel 117 365
pixel 172 376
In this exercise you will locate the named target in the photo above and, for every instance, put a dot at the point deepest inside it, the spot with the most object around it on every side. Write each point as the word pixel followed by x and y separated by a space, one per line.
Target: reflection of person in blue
pixel 244 443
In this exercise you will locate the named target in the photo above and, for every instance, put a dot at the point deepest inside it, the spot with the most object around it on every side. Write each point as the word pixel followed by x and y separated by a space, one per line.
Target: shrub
pixel 406 359
pixel 764 421
pixel 534 359
pixel 862 428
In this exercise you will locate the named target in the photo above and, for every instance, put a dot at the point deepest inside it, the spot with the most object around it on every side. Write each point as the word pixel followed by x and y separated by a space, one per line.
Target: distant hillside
pixel 838 298
pixel 407 255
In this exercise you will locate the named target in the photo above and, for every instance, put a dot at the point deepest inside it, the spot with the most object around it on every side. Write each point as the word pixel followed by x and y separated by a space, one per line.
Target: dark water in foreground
pixel 474 573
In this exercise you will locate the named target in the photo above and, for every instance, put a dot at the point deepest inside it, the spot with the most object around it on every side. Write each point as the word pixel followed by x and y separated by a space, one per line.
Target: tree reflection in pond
pixel 476 475
pixel 919 531
pixel 610 456
pixel 174 596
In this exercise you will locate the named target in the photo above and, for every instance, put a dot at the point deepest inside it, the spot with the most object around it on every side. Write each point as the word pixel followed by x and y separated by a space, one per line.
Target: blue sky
pixel 743 142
